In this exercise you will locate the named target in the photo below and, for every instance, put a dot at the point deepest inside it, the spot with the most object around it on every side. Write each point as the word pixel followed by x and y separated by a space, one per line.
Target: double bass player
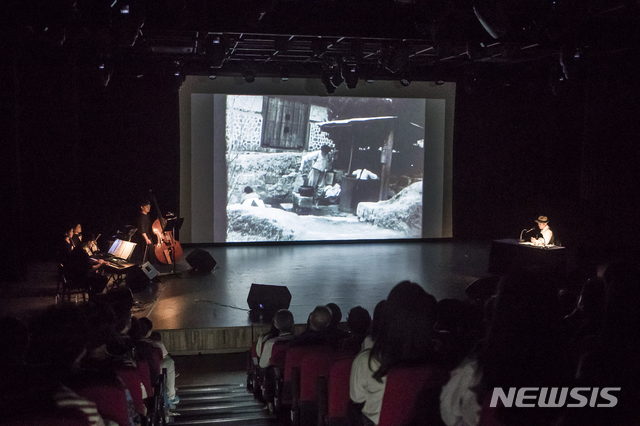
pixel 144 235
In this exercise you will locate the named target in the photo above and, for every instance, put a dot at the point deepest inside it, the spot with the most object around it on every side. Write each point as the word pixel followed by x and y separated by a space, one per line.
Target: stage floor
pixel 315 274
pixel 209 313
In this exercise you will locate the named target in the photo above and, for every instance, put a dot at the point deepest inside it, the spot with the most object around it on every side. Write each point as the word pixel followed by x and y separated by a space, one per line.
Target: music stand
pixel 173 224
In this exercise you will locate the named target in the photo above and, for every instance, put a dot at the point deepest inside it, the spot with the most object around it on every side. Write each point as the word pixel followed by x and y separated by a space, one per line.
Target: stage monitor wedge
pixel 268 298
pixel 201 261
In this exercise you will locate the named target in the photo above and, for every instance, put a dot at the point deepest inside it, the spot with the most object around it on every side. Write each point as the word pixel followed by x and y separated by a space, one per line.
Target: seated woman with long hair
pixel 404 338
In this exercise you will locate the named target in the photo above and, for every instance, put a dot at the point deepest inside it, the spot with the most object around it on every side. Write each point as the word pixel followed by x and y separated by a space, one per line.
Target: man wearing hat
pixel 545 236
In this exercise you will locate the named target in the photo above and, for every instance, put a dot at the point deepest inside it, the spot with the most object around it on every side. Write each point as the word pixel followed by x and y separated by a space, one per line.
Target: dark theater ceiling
pixel 364 39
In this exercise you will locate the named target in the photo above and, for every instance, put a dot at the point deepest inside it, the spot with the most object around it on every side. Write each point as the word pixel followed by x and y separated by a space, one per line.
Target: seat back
pixel 110 400
pixel 338 389
pixel 132 381
pixel 411 393
pixel 60 417
pixel 145 376
pixel 315 363
pixel 291 381
pixel 278 354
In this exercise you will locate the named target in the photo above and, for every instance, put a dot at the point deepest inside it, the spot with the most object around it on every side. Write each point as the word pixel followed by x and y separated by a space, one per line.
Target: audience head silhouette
pixel 320 318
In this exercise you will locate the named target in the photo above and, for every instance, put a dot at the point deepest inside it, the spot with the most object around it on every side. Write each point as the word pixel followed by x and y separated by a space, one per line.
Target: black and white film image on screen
pixel 371 188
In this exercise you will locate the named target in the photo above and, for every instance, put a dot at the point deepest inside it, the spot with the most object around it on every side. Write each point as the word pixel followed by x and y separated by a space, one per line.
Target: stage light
pixel 249 75
pixel 326 81
pixel 336 77
pixel 284 73
pixel 216 49
pixel 350 73
pixel 177 68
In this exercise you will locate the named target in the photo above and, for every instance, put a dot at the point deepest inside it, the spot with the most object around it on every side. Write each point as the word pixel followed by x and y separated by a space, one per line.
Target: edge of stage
pixel 209 313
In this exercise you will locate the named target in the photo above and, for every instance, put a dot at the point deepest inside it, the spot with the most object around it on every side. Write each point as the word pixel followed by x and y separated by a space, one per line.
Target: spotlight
pixel 249 75
pixel 350 73
pixel 177 68
pixel 326 81
pixel 216 49
pixel 284 73
pixel 336 77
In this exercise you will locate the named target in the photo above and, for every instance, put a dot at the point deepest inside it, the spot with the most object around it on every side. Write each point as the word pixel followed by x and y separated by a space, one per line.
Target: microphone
pixel 525 230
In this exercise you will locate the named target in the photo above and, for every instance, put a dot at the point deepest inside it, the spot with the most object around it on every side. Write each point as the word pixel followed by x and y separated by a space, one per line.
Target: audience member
pixel 155 339
pixel 334 332
pixel 376 325
pixel 612 360
pixel 456 331
pixel 524 347
pixel 144 350
pixel 405 338
pixel 316 332
pixel 358 323
pixel 40 391
pixel 283 322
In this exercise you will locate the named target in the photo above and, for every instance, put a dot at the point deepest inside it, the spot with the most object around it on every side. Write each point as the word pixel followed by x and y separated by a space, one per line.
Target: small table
pixel 509 254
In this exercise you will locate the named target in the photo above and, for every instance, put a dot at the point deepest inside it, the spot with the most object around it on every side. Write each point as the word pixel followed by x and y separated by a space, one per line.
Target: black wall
pixel 76 150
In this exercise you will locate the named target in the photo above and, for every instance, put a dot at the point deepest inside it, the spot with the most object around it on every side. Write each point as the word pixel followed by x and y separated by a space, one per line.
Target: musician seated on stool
pixel 83 272
pixel 545 235
pixel 77 235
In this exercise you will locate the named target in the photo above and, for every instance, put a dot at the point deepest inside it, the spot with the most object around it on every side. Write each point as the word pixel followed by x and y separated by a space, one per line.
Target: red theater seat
pixel 412 393
pixel 131 379
pixel 110 400
pixel 338 392
pixel 145 376
pixel 315 364
pixel 51 419
pixel 278 354
pixel 291 378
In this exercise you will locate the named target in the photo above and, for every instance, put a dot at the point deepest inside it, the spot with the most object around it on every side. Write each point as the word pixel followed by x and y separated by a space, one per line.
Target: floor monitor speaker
pixel 201 261
pixel 149 270
pixel 268 298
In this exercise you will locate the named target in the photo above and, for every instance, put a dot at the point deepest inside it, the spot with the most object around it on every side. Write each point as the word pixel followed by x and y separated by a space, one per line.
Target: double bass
pixel 168 250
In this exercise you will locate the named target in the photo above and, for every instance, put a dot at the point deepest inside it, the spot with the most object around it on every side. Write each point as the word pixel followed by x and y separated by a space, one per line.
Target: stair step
pixel 196 398
pixel 237 407
pixel 222 405
pixel 244 420
pixel 213 388
pixel 220 398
